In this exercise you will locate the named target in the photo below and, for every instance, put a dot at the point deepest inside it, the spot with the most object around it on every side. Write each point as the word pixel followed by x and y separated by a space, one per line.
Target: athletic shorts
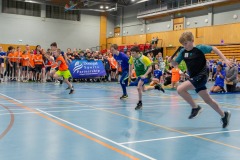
pixel 199 82
pixel 38 68
pixel 30 69
pixel 24 68
pixel 1 60
pixel 219 86
pixel 135 83
pixel 65 74
pixel 48 69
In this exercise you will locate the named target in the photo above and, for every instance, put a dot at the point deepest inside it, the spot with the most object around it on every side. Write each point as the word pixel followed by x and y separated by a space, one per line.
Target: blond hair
pixel 186 36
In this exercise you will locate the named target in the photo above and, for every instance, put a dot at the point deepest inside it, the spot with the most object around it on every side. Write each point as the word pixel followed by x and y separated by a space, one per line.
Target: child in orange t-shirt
pixel 31 66
pixel 25 63
pixel 176 75
pixel 38 61
pixel 62 70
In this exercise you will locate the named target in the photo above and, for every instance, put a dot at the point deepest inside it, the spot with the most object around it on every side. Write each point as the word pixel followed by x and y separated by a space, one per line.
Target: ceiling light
pixel 101 7
pixel 106 7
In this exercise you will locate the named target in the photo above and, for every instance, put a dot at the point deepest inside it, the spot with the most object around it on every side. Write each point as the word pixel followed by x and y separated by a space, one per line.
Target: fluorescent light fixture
pixel 142 1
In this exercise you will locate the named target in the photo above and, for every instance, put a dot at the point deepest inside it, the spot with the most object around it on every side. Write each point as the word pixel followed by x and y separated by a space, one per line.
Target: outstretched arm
pixel 220 54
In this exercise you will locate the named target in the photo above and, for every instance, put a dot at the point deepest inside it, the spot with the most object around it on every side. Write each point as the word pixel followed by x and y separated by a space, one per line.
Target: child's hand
pixel 228 63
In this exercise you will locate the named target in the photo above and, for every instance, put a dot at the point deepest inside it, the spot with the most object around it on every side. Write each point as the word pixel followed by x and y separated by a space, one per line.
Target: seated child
pixel 219 77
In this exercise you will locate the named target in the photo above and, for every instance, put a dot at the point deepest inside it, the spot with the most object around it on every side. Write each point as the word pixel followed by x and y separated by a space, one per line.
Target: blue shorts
pixel 135 83
pixel 199 82
pixel 1 60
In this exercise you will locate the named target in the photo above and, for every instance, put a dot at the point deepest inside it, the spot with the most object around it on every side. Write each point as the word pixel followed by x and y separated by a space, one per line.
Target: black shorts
pixel 1 60
pixel 114 70
pixel 24 68
pixel 38 68
pixel 30 69
pixel 199 82
pixel 48 69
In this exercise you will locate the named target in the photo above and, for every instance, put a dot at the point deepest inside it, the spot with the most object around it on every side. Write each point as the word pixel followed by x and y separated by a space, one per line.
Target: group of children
pixel 197 71
pixel 26 65
pixel 192 55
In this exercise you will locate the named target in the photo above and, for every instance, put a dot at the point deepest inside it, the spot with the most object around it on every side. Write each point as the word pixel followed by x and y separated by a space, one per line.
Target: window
pixel 59 13
pixel 21 8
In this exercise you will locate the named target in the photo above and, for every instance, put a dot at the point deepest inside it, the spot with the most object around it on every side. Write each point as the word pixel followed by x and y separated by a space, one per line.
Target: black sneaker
pixel 139 106
pixel 159 87
pixel 225 119
pixel 124 97
pixel 195 112
pixel 71 90
pixel 61 81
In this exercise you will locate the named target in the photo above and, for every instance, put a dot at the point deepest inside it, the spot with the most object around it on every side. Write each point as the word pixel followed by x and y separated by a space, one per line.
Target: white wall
pixel 213 15
pixel 35 30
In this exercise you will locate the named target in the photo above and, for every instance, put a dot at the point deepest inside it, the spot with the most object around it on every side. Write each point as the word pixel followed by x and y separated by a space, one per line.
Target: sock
pixel 140 102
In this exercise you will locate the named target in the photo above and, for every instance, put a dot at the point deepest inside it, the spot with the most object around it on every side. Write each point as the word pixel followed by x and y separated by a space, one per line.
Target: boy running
pixel 122 60
pixel 143 67
pixel 62 70
pixel 196 65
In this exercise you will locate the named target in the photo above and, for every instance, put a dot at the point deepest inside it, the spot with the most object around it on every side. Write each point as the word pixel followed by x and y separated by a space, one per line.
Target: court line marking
pixel 10 123
pixel 164 127
pixel 87 106
pixel 83 134
pixel 11 98
pixel 73 110
pixel 178 137
pixel 95 134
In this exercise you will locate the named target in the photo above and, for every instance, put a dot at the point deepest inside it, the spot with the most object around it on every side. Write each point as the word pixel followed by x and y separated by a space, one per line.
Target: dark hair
pixel 220 65
pixel 115 46
pixel 10 48
pixel 135 49
pixel 54 44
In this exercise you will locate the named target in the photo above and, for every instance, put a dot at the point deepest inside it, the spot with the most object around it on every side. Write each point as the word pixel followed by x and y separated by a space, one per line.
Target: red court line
pixel 10 123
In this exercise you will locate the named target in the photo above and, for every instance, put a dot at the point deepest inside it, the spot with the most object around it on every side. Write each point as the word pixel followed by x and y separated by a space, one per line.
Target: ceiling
pixel 107 5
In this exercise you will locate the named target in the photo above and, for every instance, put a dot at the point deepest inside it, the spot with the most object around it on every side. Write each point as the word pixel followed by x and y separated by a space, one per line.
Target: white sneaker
pixel 57 83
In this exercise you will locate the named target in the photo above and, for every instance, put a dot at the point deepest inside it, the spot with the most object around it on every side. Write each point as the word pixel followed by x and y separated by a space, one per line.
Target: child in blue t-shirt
pixel 219 79
pixel 214 69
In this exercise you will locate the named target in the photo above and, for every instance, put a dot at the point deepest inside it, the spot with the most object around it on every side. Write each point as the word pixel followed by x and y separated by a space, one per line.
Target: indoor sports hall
pixel 48 114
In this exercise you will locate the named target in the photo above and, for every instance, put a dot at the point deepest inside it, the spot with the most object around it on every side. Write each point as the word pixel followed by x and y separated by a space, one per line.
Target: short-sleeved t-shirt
pixel 122 59
pixel 63 66
pixel 195 59
pixel 157 73
pixel 141 64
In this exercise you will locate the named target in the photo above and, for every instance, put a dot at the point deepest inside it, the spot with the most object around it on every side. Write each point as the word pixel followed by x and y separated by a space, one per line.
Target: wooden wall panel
pixel 205 35
pixel 5 46
pixel 103 31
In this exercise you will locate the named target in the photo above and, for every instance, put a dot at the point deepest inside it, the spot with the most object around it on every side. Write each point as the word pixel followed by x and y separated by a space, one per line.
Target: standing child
pixel 38 62
pixel 62 70
pixel 2 56
pixel 25 63
pixel 176 74
pixel 143 68
pixel 122 60
pixel 196 65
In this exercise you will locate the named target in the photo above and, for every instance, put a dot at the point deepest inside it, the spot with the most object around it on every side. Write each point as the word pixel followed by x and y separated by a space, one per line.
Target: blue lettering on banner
pixel 87 69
